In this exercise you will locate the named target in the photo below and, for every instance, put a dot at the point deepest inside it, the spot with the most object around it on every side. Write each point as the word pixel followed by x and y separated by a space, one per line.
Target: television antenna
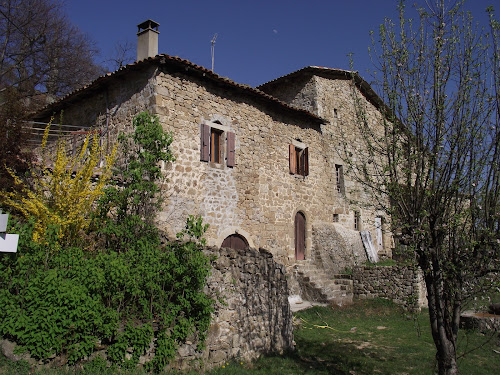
pixel 213 49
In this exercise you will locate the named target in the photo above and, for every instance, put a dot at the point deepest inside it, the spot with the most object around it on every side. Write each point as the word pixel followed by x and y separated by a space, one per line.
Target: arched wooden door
pixel 300 236
pixel 235 241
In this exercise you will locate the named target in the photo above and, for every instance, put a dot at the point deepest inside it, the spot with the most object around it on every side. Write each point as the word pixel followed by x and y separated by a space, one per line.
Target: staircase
pixel 316 285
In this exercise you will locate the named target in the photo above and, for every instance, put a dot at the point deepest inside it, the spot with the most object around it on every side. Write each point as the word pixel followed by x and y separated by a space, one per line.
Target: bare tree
pixel 433 157
pixel 42 56
pixel 40 51
pixel 124 53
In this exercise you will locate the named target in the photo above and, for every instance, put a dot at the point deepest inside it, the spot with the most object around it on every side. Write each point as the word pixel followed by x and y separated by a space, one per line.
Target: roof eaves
pixel 364 86
pixel 165 59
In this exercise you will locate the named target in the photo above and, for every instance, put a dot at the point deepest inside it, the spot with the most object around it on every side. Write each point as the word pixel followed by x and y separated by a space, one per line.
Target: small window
pixel 339 176
pixel 335 218
pixel 357 220
pixel 299 160
pixel 379 233
pixel 216 149
pixel 213 147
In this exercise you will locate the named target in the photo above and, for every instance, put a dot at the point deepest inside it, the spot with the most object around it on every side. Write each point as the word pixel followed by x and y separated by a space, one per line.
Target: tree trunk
pixel 444 327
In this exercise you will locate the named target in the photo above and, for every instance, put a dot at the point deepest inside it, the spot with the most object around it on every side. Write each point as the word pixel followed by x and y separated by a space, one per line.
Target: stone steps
pixel 318 286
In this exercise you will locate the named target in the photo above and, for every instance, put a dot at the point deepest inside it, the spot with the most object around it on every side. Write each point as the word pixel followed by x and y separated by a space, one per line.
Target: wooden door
pixel 300 236
pixel 235 241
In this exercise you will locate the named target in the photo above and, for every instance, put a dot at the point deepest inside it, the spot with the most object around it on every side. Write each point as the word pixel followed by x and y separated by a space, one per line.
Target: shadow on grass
pixel 315 358
pixel 333 357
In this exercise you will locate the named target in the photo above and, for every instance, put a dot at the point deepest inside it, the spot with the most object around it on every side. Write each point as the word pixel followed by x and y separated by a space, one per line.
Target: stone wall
pixel 110 110
pixel 252 315
pixel 403 285
pixel 337 248
pixel 258 198
pixel 331 98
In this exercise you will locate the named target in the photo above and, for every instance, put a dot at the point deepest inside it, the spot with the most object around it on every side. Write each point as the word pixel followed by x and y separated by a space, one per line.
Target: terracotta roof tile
pixel 167 59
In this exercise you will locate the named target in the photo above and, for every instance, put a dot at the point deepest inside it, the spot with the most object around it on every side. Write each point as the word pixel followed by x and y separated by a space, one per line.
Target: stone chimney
pixel 147 39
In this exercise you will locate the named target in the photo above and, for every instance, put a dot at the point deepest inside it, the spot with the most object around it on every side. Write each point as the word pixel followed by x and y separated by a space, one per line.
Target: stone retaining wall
pixel 337 247
pixel 403 285
pixel 252 315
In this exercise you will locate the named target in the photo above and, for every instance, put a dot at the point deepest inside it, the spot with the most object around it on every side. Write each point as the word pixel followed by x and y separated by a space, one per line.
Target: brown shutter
pixel 230 149
pixel 306 161
pixel 205 143
pixel 292 159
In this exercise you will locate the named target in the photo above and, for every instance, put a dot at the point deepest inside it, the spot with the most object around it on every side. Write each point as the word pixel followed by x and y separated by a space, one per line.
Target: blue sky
pixel 257 40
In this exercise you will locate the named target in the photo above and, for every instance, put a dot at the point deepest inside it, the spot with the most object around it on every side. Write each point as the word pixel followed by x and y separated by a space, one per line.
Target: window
pixel 357 220
pixel 379 233
pixel 299 160
pixel 339 175
pixel 217 144
pixel 336 218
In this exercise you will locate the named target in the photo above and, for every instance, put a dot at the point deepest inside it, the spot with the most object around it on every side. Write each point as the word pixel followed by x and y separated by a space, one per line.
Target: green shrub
pixel 48 307
pixel 62 299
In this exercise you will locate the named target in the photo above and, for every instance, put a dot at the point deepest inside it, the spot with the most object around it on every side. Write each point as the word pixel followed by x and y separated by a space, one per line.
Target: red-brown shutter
pixel 306 161
pixel 292 159
pixel 205 143
pixel 230 149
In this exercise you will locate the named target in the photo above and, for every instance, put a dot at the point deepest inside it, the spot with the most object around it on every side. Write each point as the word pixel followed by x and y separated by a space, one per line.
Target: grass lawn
pixel 369 337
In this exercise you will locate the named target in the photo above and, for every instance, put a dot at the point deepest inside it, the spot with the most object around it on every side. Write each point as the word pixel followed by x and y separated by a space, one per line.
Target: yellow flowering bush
pixel 62 196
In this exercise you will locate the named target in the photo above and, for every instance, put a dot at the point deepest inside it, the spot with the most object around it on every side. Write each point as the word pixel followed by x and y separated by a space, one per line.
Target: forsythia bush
pixel 62 196
pixel 132 291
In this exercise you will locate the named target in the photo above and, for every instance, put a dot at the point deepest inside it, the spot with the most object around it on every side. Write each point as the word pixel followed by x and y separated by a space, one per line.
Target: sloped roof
pixel 188 68
pixel 364 86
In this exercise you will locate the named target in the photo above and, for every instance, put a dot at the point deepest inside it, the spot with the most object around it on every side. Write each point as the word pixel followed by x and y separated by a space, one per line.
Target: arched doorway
pixel 300 236
pixel 235 241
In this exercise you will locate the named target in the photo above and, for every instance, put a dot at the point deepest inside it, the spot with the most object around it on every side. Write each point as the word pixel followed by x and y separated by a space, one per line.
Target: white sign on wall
pixel 8 242
pixel 3 222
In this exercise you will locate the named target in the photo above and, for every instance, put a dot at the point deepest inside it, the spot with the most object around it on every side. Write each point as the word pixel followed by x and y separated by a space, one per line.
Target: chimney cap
pixel 148 25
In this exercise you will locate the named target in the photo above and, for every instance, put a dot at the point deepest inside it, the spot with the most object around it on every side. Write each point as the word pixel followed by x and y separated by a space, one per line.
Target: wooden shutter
pixel 305 154
pixel 292 159
pixel 230 149
pixel 205 143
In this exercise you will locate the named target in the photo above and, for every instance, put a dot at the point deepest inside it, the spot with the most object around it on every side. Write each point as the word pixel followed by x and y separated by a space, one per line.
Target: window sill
pixel 215 165
pixel 299 177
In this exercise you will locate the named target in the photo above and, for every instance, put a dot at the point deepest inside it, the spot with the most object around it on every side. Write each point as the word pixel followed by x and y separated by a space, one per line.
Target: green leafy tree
pixel 432 157
pixel 135 197
pixel 161 285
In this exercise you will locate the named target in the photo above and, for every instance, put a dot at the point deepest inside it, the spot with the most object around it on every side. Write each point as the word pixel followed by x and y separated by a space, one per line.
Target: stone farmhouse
pixel 260 165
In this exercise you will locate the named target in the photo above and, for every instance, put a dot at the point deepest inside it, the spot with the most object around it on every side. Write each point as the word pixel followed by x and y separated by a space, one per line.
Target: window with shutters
pixel 299 160
pixel 217 144
pixel 339 175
